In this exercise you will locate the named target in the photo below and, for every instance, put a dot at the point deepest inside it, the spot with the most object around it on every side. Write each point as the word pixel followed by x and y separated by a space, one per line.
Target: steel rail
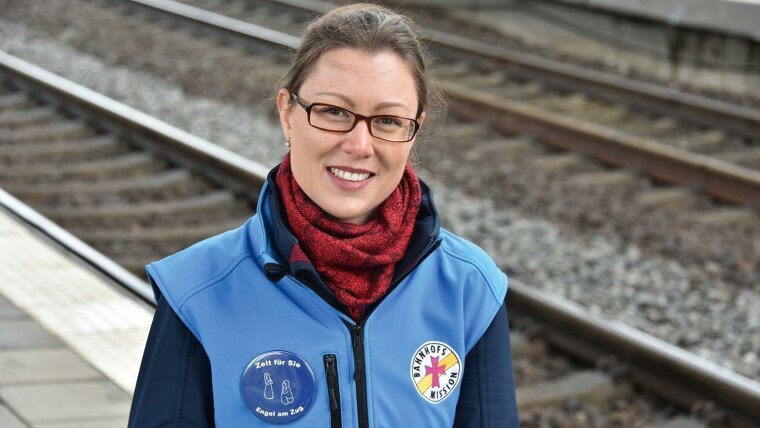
pixel 717 178
pixel 221 23
pixel 664 368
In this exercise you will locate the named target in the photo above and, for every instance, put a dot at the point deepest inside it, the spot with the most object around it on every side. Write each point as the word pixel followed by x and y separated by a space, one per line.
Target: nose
pixel 358 141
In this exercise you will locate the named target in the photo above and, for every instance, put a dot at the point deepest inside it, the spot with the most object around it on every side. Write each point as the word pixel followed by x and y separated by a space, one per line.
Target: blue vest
pixel 400 368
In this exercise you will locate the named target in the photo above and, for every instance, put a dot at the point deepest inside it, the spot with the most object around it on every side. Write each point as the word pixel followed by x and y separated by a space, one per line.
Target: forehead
pixel 361 75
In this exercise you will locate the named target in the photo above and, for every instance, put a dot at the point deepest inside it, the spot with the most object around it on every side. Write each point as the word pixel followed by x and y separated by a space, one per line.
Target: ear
pixel 285 111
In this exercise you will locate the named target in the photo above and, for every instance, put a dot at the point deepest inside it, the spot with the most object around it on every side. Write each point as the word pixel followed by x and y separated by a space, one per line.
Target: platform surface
pixel 70 342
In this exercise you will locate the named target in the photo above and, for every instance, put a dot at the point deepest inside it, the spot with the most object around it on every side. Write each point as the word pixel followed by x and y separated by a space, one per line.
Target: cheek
pixel 307 161
pixel 398 158
pixel 395 163
pixel 301 166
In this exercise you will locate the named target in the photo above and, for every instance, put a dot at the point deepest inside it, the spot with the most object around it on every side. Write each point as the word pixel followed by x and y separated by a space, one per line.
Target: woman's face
pixel 366 83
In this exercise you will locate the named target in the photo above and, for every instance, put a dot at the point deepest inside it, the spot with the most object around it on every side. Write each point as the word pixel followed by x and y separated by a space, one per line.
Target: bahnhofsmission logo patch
pixel 435 370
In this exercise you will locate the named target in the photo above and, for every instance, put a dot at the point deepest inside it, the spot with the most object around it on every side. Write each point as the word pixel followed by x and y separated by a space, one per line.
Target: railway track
pixel 137 189
pixel 671 137
pixel 103 180
pixel 631 129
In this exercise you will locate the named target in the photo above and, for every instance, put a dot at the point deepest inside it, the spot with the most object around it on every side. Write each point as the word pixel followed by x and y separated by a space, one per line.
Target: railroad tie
pixel 610 178
pixel 728 216
pixel 17 118
pixel 55 153
pixel 557 162
pixel 749 158
pixel 471 131
pixel 171 178
pixel 681 422
pixel 128 165
pixel 520 345
pixel 603 113
pixel 136 265
pixel 55 131
pixel 671 197
pixel 702 141
pixel 477 80
pixel 215 201
pixel 588 386
pixel 500 148
pixel 15 101
pixel 635 124
pixel 664 125
pixel 452 70
pixel 190 233
pixel 562 102
pixel 521 90
pixel 235 7
pixel 189 43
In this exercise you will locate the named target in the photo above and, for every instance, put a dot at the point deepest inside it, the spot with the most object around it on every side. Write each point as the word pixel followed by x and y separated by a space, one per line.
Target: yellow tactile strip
pixel 102 325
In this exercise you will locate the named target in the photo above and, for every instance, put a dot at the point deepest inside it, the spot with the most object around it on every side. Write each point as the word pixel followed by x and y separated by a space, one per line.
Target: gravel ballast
pixel 615 280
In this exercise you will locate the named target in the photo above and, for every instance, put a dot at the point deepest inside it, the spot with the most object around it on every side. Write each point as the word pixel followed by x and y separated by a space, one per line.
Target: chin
pixel 352 218
pixel 343 208
pixel 346 216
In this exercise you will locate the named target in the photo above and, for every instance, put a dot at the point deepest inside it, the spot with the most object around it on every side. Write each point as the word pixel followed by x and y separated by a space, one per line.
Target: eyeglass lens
pixel 333 118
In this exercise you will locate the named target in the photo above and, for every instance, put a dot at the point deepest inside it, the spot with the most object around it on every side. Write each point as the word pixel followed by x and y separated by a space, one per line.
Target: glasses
pixel 328 117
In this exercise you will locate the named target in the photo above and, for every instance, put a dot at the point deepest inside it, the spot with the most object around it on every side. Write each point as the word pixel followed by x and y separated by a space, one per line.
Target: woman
pixel 341 303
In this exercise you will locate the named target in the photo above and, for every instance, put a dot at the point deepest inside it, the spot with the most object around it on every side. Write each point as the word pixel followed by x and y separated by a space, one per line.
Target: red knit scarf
pixel 355 261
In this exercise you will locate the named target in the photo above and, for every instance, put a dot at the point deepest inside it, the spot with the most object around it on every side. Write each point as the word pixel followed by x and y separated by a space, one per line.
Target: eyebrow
pixel 348 101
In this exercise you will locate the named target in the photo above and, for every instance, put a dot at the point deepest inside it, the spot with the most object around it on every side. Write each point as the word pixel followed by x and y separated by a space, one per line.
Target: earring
pixel 287 143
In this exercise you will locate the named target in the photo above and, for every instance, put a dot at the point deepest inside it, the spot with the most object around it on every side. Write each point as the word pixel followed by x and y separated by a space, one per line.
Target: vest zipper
pixel 357 339
pixel 333 389
pixel 360 375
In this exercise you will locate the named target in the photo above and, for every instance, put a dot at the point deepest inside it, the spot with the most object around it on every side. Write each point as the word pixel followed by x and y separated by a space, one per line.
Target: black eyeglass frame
pixel 357 117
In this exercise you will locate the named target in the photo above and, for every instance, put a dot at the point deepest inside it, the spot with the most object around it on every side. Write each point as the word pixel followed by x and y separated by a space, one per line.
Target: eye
pixel 332 111
pixel 388 121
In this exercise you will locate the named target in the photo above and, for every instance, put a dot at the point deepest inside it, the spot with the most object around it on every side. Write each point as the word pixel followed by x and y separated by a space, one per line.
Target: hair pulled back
pixel 370 28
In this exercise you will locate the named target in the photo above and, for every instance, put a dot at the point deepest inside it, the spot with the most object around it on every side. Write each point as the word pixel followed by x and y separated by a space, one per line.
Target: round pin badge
pixel 278 386
pixel 435 371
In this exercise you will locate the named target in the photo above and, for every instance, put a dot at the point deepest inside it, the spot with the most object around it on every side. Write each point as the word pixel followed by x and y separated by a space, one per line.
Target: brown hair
pixel 371 28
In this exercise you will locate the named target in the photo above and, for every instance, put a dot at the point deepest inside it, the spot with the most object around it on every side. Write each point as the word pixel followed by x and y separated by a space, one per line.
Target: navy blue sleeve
pixel 487 399
pixel 174 384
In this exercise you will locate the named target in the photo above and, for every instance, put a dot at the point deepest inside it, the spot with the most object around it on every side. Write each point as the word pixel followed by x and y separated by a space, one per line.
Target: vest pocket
pixel 333 389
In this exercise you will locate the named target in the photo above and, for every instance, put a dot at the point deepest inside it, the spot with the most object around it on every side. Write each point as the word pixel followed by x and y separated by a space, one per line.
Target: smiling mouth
pixel 349 176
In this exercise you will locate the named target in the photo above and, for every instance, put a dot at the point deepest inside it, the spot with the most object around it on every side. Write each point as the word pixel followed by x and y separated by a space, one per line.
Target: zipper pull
pixel 274 272
pixel 330 366
pixel 332 377
pixel 358 341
